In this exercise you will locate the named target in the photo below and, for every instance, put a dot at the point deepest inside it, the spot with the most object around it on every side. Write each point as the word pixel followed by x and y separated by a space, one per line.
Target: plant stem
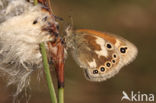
pixel 61 95
pixel 50 5
pixel 48 75
pixel 35 2
pixel 60 89
pixel 47 71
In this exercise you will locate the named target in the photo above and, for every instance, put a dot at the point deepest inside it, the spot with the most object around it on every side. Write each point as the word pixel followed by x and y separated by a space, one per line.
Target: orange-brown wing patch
pixel 92 42
pixel 100 34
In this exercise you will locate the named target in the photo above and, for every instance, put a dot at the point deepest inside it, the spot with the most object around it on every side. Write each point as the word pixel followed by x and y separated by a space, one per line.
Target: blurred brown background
pixel 135 20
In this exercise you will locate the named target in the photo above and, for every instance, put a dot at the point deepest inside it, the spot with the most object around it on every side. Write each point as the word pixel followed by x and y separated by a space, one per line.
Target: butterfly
pixel 100 54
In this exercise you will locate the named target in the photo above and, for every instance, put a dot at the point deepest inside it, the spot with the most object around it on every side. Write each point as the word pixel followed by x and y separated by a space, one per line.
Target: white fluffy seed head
pixel 22 28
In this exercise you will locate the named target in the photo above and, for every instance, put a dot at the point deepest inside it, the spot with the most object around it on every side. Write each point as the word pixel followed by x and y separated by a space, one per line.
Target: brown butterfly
pixel 100 54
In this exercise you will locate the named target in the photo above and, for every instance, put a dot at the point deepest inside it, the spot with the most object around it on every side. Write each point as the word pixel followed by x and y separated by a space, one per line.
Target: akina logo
pixel 138 96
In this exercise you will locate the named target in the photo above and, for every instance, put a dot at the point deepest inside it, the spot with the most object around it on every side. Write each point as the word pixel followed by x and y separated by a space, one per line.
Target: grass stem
pixel 48 75
pixel 61 95
pixel 35 2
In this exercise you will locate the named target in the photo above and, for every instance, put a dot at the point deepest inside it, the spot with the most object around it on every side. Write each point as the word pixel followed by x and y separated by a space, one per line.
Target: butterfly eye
pixel 102 69
pixel 95 71
pixel 123 49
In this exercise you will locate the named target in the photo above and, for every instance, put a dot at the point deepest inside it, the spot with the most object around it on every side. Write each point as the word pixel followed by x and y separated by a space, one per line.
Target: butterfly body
pixel 101 55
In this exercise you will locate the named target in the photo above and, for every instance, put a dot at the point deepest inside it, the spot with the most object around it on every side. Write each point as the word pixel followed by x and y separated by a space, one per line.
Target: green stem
pixel 48 75
pixel 35 2
pixel 61 95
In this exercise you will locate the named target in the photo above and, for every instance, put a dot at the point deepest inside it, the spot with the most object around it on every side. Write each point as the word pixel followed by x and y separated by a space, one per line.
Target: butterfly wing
pixel 126 49
pixel 99 53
